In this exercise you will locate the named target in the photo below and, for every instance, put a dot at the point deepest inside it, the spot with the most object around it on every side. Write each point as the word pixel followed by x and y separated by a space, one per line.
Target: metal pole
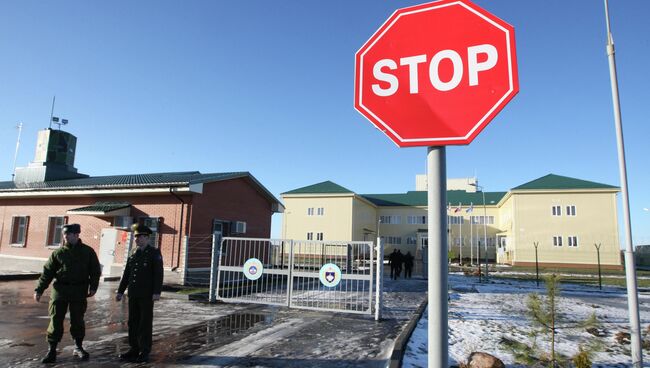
pixel 536 264
pixel 460 230
pixel 380 274
pixel 52 112
pixel 214 266
pixel 471 236
pixel 20 129
pixel 630 268
pixel 437 284
pixel 600 279
pixel 485 234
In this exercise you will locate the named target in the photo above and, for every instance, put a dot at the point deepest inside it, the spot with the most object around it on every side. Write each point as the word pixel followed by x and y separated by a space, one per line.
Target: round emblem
pixel 253 269
pixel 330 275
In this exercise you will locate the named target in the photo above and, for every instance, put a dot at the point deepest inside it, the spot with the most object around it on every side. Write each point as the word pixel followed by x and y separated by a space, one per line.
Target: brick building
pixel 177 205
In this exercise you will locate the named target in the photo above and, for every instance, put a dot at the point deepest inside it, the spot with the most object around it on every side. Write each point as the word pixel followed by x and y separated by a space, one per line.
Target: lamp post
pixel 480 188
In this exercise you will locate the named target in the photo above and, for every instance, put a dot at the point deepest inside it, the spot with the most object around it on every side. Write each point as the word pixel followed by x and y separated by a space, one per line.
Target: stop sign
pixel 435 74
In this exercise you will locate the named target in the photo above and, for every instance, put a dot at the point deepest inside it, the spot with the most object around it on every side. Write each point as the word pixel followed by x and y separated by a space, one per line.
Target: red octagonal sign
pixel 435 74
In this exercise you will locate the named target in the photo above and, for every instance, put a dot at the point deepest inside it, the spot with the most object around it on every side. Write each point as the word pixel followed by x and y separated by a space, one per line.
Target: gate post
pixel 185 262
pixel 379 279
pixel 214 265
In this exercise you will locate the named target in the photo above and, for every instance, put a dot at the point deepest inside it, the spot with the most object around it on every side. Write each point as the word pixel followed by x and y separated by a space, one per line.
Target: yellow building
pixel 563 218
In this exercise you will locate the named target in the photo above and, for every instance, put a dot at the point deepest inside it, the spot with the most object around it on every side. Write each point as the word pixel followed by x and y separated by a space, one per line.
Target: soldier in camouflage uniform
pixel 75 269
pixel 143 275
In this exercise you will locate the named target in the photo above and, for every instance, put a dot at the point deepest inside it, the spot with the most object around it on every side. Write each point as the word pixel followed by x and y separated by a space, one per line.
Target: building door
pixel 107 243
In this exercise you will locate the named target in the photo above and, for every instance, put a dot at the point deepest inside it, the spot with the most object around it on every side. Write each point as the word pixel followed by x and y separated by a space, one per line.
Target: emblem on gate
pixel 330 275
pixel 253 269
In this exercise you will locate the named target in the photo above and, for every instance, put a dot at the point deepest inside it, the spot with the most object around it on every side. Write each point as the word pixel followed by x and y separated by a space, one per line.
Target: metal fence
pixel 319 275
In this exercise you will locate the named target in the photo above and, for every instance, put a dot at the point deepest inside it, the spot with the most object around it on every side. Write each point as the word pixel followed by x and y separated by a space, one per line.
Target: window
pixel 556 210
pixel 455 220
pixel 571 210
pixel 557 241
pixel 54 229
pixel 319 236
pixel 321 211
pixel 392 239
pixel 393 219
pixel 481 220
pixel 573 241
pixel 416 220
pixel 310 236
pixel 310 211
pixel 411 240
pixel 19 230
pixel 152 223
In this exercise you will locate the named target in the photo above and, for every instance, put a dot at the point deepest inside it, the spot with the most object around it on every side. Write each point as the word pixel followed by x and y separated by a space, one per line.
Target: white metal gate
pixel 319 275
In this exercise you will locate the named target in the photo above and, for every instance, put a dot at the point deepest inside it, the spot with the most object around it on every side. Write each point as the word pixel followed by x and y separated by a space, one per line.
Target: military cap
pixel 140 230
pixel 72 228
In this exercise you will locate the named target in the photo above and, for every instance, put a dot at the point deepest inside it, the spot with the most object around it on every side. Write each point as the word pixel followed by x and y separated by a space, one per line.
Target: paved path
pixel 190 333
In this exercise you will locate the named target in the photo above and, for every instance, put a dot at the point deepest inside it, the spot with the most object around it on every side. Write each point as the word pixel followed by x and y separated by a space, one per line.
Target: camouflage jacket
pixel 75 269
pixel 143 273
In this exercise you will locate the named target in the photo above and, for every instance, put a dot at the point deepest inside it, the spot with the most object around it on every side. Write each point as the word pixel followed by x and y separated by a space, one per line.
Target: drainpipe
pixel 180 229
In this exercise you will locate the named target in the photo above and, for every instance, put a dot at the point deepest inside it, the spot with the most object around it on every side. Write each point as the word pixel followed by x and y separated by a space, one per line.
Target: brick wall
pixel 166 207
pixel 228 200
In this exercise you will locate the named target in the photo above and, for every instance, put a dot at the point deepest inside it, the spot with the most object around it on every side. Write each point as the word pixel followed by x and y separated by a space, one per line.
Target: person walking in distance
pixel 75 269
pixel 399 260
pixel 392 260
pixel 408 265
pixel 143 276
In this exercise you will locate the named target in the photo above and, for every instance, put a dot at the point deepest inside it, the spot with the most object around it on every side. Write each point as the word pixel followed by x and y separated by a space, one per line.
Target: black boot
pixel 143 357
pixel 79 351
pixel 51 354
pixel 130 355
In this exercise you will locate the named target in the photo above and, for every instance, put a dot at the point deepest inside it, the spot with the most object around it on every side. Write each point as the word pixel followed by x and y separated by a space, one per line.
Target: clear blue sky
pixel 267 87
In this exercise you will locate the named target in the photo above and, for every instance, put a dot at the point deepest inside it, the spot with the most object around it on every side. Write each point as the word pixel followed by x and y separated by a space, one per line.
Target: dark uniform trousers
pixel 143 275
pixel 140 323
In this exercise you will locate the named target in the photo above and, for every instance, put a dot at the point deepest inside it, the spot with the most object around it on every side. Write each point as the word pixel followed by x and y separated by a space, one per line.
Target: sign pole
pixel 437 274
pixel 630 268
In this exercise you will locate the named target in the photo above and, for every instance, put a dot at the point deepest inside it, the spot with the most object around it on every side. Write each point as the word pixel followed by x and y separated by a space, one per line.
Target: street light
pixel 480 188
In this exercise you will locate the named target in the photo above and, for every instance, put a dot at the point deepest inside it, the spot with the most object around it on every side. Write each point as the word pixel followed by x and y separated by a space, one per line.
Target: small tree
pixel 544 313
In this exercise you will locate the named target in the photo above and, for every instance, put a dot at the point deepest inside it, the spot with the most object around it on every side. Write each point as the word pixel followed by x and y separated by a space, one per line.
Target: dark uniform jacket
pixel 75 269
pixel 143 274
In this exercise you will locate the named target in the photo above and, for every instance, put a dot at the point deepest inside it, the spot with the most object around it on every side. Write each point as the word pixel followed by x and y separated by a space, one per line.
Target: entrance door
pixel 107 245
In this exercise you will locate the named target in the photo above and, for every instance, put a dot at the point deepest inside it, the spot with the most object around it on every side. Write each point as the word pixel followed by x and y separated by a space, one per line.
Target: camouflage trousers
pixel 58 309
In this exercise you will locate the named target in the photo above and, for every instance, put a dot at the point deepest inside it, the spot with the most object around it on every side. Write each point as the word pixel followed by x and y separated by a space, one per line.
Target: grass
pixel 571 275
pixel 193 291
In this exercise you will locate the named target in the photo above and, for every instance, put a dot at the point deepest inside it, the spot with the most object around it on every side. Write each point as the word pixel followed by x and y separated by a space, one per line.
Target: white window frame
pixel 310 236
pixel 20 240
pixel 557 241
pixel 54 230
pixel 416 220
pixel 390 219
pixel 556 210
pixel 571 210
pixel 310 211
pixel 572 241
pixel 319 236
pixel 411 240
pixel 320 211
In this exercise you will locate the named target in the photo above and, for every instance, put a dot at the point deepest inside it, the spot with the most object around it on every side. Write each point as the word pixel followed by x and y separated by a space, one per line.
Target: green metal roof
pixel 419 198
pixel 102 207
pixel 124 181
pixel 326 187
pixel 135 181
pixel 552 181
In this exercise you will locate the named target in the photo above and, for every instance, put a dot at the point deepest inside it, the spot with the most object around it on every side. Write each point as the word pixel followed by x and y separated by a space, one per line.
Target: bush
pixel 581 359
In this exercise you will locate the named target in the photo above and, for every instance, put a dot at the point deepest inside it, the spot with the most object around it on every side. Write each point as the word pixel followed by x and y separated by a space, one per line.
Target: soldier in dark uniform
pixel 143 275
pixel 75 269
